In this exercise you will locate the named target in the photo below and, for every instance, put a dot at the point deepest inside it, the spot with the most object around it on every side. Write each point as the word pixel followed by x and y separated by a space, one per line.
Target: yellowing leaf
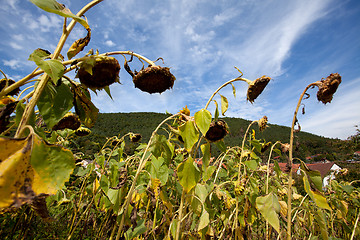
pixel 79 45
pixel 188 174
pixel 189 134
pixel 224 104
pixel 14 158
pixel 30 168
pixel 203 120
pixel 269 208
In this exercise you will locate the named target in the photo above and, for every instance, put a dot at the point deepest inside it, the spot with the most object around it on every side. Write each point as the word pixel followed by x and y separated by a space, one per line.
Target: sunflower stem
pixel 132 54
pixel 225 84
pixel 45 77
pixel 289 193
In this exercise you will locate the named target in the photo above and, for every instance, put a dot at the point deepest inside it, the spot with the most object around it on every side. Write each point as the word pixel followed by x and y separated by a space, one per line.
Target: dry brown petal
pixel 104 73
pixel 154 79
pixel 217 131
pixel 328 87
pixel 256 88
pixel 70 121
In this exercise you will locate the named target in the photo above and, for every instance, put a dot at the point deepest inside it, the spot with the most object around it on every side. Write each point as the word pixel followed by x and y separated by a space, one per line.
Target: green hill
pixel 306 144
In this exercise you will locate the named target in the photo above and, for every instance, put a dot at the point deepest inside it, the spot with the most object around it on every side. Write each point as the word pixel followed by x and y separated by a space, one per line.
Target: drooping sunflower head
pixel 70 120
pixel 82 131
pixel 328 87
pixel 217 131
pixel 263 123
pixel 256 87
pixel 104 72
pixel 154 79
pixel 9 82
pixel 135 137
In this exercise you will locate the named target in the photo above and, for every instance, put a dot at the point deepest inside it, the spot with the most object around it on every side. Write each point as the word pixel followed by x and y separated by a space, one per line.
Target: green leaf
pixel 188 174
pixel 316 196
pixel 52 166
pixel 54 103
pixel 201 192
pixel 203 120
pixel 161 146
pixel 204 220
pixel 251 164
pixel 269 208
pixel 224 104
pixel 216 116
pixel 29 168
pixel 277 168
pixel 321 221
pixel 314 176
pixel 221 145
pixel 133 233
pixel 57 8
pixel 84 108
pixel 159 170
pixel 53 67
pixel 189 134
pixel 208 173
pixel 205 149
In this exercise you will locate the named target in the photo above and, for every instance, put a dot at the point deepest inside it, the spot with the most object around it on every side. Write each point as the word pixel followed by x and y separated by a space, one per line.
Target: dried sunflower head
pixel 265 147
pixel 5 112
pixel 70 120
pixel 263 123
pixel 328 87
pixel 256 87
pixel 186 112
pixel 105 72
pixel 116 142
pixel 82 131
pixel 9 82
pixel 135 137
pixel 154 79
pixel 217 131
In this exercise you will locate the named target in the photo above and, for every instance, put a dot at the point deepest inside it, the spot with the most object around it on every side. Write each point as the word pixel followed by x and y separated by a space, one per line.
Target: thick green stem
pixel 222 86
pixel 289 193
pixel 44 79
pixel 133 54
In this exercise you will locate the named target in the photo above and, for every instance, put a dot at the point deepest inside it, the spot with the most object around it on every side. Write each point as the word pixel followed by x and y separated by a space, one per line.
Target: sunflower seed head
pixel 217 131
pixel 256 87
pixel 104 73
pixel 154 79
pixel 328 87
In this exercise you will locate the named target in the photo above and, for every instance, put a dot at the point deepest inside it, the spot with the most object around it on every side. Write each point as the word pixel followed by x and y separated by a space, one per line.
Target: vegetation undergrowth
pixel 171 187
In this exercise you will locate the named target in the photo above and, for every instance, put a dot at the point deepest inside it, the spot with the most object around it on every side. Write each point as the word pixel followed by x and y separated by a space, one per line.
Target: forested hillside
pixel 307 144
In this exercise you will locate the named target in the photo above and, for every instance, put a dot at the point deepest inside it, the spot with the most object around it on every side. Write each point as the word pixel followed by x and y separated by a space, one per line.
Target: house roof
pixel 323 168
pixel 283 167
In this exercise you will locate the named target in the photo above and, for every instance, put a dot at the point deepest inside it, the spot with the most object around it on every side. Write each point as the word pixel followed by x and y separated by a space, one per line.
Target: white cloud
pixel 13 63
pixel 15 46
pixel 336 119
pixel 109 43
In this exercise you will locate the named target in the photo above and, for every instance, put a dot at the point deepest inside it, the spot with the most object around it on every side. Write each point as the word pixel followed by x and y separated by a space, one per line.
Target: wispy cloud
pixel 294 42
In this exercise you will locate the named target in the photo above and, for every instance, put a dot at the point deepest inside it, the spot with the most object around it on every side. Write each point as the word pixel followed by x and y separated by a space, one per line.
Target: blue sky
pixel 294 42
